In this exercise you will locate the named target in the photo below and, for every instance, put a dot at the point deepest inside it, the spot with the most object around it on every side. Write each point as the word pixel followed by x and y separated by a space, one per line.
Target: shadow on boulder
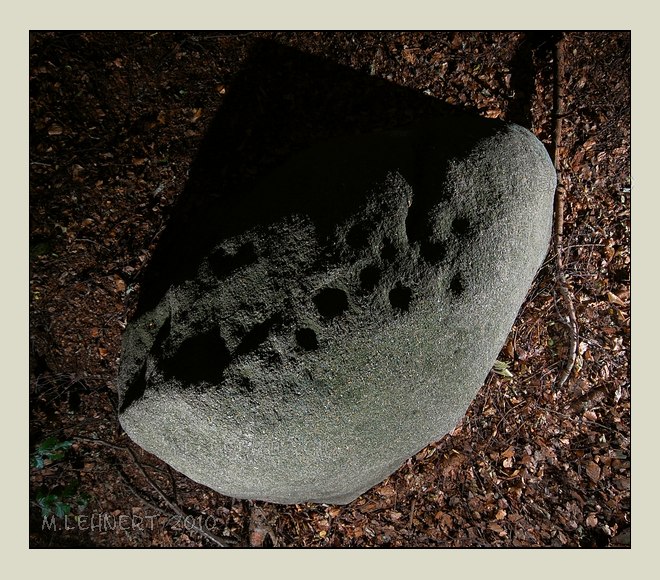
pixel 283 102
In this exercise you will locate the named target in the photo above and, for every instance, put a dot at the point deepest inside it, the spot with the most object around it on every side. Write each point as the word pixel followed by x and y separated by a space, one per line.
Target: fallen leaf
pixel 622 483
pixel 500 515
pixel 589 143
pixel 55 130
pixel 409 55
pixel 368 507
pixel 76 170
pixel 510 452
pixel 323 524
pixel 624 294
pixel 356 532
pixel 120 285
pixel 258 528
pixel 444 518
pixel 609 250
pixel 591 521
pixel 615 299
pixel 387 491
pixel 497 528
pixel 451 464
pixel 502 368
pixel 593 471
pixel 334 511
pixel 590 416
pixel 257 537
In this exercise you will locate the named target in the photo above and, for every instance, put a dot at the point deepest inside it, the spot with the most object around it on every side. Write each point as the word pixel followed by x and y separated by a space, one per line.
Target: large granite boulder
pixel 325 342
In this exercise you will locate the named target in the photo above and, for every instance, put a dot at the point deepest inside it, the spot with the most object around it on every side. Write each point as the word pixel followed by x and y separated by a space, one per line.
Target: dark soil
pixel 118 123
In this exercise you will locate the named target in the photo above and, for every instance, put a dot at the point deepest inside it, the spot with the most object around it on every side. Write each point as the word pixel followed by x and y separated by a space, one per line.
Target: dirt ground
pixel 116 124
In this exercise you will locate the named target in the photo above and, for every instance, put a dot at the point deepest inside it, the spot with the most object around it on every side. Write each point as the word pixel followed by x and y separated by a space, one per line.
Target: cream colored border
pixel 339 14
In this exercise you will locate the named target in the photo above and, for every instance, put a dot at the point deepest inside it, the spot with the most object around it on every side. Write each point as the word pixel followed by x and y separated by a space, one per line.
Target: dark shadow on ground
pixel 282 102
pixel 533 48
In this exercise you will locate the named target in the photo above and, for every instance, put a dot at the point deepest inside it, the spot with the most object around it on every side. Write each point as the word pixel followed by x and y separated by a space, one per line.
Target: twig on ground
pixel 222 542
pixel 137 494
pixel 412 514
pixel 170 472
pixel 560 276
pixel 99 441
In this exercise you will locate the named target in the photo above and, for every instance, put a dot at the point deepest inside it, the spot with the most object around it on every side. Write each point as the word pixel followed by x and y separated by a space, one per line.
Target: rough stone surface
pixel 351 322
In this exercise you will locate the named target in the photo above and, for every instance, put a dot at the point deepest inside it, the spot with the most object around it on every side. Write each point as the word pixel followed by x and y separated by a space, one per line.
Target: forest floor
pixel 116 120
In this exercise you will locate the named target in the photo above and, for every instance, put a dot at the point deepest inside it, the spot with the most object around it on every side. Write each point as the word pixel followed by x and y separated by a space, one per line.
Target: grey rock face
pixel 315 353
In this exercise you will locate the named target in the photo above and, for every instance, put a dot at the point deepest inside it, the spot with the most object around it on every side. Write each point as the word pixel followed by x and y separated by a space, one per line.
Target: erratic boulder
pixel 349 312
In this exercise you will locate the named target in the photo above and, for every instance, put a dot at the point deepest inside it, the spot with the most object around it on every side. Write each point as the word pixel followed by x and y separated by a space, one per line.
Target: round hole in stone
pixel 456 285
pixel 224 263
pixel 369 278
pixel 400 297
pixel 358 236
pixel 306 339
pixel 460 226
pixel 388 252
pixel 331 302
pixel 245 385
pixel 433 252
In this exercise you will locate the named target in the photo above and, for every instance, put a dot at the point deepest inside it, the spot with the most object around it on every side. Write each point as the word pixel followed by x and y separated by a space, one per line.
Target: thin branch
pixel 560 276
pixel 222 542
pixel 137 494
pixel 170 472
pixel 173 506
pixel 98 441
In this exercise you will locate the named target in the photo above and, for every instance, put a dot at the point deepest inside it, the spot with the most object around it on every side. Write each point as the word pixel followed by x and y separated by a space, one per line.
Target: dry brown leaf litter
pixel 115 120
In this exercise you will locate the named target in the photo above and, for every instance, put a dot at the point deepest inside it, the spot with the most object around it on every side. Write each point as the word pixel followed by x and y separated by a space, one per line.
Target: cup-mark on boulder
pixel 257 335
pixel 200 358
pixel 388 250
pixel 460 226
pixel 432 252
pixel 456 286
pixel 369 278
pixel 306 339
pixel 358 236
pixel 223 263
pixel 400 297
pixel 331 302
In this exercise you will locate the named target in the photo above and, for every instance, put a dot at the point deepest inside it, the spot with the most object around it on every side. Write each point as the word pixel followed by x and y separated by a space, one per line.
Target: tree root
pixel 222 542
pixel 172 506
pixel 560 277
